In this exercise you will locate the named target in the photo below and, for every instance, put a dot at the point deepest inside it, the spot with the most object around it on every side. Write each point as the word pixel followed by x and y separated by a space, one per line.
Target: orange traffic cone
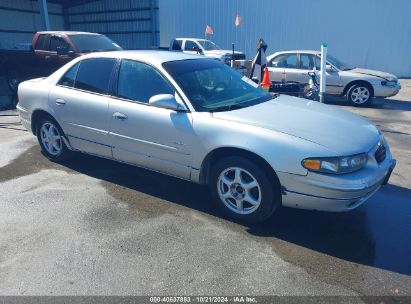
pixel 266 83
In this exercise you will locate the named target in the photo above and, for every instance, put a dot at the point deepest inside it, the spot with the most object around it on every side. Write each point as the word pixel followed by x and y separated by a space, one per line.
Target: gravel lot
pixel 96 227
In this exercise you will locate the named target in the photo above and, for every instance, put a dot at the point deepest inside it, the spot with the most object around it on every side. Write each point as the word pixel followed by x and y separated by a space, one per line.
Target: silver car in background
pixel 199 120
pixel 358 85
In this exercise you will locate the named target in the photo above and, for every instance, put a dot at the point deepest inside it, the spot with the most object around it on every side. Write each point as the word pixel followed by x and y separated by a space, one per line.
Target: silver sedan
pixel 199 120
pixel 356 84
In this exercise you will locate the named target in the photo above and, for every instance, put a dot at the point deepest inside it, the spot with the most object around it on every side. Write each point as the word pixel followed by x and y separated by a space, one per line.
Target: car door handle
pixel 119 116
pixel 60 102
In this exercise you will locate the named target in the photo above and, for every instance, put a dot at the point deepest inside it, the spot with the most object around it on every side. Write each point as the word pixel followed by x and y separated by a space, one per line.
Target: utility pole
pixel 323 74
pixel 44 14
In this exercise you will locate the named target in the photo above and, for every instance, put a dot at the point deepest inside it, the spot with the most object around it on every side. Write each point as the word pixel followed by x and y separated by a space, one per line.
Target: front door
pixel 154 138
pixel 333 81
pixel 80 103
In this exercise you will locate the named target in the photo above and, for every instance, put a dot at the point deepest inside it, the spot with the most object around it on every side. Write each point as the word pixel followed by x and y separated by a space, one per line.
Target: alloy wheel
pixel 51 139
pixel 239 190
pixel 360 95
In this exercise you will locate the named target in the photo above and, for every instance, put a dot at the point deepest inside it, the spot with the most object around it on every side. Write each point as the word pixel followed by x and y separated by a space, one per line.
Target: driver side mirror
pixel 198 50
pixel 166 101
pixel 64 51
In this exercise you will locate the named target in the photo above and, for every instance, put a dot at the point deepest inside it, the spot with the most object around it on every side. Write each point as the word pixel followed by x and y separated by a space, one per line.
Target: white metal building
pixel 367 33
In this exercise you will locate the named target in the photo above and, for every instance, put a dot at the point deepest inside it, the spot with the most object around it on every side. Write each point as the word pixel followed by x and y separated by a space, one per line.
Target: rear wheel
pixel 359 95
pixel 243 190
pixel 49 135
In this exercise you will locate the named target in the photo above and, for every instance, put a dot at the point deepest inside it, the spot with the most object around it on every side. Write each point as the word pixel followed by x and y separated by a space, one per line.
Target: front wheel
pixel 49 135
pixel 359 95
pixel 243 190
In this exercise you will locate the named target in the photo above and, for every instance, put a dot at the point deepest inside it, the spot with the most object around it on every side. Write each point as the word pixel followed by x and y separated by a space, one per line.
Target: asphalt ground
pixel 95 227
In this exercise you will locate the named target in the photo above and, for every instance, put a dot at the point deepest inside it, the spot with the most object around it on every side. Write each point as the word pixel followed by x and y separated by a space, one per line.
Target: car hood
pixel 386 76
pixel 221 52
pixel 340 131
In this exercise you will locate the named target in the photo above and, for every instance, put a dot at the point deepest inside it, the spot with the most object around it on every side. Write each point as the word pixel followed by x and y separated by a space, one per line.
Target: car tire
pixel 243 190
pixel 13 80
pixel 49 135
pixel 359 95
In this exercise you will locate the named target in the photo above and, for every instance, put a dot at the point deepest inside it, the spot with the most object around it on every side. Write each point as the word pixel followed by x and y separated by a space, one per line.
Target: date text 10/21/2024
pixel 203 299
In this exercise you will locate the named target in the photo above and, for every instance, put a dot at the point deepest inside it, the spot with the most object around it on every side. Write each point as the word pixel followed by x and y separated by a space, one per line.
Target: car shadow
pixel 378 103
pixel 376 234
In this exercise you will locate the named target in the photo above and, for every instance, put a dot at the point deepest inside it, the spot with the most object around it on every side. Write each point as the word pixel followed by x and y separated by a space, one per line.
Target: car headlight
pixel 336 165
pixel 389 83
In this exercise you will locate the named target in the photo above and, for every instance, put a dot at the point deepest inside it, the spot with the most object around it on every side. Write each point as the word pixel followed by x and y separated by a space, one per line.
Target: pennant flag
pixel 238 20
pixel 259 62
pixel 209 30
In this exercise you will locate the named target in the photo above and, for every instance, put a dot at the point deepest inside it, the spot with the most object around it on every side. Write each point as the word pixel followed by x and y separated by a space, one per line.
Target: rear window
pixel 42 42
pixel 177 45
pixel 94 75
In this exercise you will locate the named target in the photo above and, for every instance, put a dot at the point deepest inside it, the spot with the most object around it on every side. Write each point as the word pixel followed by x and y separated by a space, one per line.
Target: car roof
pixel 152 56
pixel 192 38
pixel 67 33
pixel 296 51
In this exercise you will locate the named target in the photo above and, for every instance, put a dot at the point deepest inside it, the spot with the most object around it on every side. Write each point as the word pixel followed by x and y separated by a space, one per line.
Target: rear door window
pixel 177 45
pixel 94 75
pixel 285 61
pixel 69 78
pixel 42 43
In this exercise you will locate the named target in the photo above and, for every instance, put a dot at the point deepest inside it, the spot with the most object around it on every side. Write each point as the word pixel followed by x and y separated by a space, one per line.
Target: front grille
pixel 380 154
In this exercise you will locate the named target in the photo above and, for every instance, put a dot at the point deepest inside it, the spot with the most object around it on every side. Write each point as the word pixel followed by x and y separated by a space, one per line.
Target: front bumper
pixel 386 91
pixel 335 193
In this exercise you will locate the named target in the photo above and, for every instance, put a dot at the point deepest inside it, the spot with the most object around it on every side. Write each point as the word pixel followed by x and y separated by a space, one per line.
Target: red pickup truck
pixel 48 52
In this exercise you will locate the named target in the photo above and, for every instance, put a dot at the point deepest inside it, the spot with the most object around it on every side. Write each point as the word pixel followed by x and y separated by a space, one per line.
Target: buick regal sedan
pixel 358 85
pixel 199 120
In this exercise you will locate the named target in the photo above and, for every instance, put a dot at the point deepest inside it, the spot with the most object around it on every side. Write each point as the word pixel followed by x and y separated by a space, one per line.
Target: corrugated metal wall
pixel 367 33
pixel 19 19
pixel 133 24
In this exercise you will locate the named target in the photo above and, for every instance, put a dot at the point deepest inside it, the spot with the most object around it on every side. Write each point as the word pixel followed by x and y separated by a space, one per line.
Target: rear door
pixel 151 137
pixel 80 103
pixel 284 67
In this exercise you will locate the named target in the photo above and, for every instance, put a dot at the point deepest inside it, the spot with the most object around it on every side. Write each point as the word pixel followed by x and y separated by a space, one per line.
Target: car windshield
pixel 94 43
pixel 212 86
pixel 338 63
pixel 208 45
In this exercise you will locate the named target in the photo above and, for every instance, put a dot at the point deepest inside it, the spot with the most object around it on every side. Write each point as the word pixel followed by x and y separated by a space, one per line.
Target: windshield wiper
pixel 229 108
